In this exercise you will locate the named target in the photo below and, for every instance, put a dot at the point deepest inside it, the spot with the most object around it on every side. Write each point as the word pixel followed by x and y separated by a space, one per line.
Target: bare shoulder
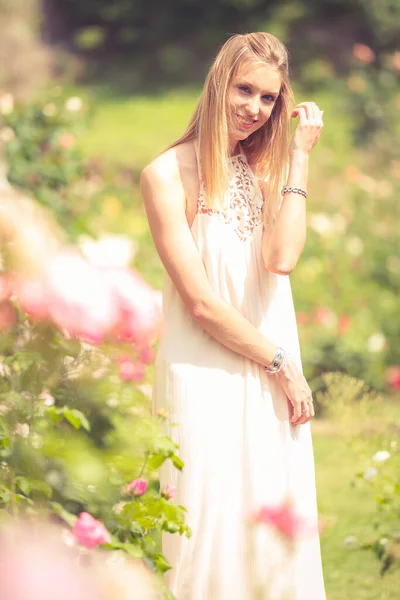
pixel 172 165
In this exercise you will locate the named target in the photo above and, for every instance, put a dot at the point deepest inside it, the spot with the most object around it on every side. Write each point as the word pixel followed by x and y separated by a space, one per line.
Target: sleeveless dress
pixel 231 421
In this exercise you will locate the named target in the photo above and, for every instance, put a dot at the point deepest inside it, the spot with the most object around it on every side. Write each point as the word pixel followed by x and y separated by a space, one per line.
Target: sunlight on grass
pixel 133 130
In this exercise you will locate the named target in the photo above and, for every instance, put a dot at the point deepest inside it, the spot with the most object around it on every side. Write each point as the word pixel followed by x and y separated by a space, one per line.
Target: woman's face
pixel 251 96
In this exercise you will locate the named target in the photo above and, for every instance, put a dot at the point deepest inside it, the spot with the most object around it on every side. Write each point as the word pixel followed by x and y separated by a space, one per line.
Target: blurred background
pixel 90 92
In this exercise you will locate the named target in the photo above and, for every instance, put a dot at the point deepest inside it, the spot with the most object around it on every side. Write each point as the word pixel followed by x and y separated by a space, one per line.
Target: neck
pixel 234 147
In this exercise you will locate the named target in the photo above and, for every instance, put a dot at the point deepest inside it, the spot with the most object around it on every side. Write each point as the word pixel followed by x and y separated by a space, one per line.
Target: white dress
pixel 231 421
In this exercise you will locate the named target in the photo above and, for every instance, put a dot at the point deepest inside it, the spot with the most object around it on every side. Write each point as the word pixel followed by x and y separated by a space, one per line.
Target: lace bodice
pixel 243 199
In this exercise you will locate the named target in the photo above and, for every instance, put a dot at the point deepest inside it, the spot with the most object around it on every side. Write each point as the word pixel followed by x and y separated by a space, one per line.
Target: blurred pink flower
pixel 8 315
pixel 5 288
pixel 80 299
pixel 31 295
pixel 344 322
pixel 302 318
pixel 392 378
pixel 138 486
pixel 89 532
pixel 324 316
pixel 396 61
pixel 146 355
pixel 129 370
pixel 363 53
pixel 169 491
pixel 284 520
pixel 67 141
pixel 139 304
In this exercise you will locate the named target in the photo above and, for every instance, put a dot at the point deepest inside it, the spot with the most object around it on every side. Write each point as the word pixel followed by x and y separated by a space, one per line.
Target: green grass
pixel 133 129
pixel 347 510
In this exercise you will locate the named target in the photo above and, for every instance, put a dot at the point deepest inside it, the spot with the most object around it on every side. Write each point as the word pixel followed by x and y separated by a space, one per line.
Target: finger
pixel 305 415
pixel 311 109
pixel 300 112
pixel 297 411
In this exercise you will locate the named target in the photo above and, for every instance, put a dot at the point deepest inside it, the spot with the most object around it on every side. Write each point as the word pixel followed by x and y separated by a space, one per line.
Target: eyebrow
pixel 244 82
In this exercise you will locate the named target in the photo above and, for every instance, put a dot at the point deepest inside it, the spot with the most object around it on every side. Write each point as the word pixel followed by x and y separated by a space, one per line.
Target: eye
pixel 269 98
pixel 244 88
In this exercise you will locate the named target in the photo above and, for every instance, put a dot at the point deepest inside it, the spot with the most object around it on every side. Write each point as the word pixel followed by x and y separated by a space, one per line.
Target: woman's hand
pixel 298 393
pixel 309 128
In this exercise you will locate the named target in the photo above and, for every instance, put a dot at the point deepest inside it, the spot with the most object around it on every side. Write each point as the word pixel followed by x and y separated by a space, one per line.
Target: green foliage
pixel 73 434
pixel 41 151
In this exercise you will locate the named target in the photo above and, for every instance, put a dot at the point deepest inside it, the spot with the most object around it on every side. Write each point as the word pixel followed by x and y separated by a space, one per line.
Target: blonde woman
pixel 226 204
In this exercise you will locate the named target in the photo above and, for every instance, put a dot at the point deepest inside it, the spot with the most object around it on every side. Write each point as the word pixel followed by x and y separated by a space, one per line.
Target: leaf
pixel 28 485
pixel 155 461
pixel 178 463
pixel 76 418
pixel 161 563
pixel 171 526
pixel 63 513
pixel 132 549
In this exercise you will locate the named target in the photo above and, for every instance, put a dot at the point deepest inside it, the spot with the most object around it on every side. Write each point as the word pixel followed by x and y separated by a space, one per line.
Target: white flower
pixel 22 429
pixel 112 402
pixel 322 224
pixel 339 223
pixel 68 538
pixel 381 456
pixel 118 508
pixel 383 541
pixel 6 104
pixel 7 134
pixel 74 104
pixel 49 110
pixel 376 342
pixel 354 246
pixel 47 398
pixel 113 251
pixel 350 541
pixel 370 473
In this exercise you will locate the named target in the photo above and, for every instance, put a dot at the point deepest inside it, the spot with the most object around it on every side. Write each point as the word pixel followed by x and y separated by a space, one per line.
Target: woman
pixel 228 367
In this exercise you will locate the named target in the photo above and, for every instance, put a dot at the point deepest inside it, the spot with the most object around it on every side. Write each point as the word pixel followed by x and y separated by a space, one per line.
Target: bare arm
pixel 284 242
pixel 164 200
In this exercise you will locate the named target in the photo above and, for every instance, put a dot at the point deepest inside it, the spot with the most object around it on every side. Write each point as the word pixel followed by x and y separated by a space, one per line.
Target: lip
pixel 245 125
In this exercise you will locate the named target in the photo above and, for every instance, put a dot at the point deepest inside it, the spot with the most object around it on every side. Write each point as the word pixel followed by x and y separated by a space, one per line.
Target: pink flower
pixel 302 318
pixel 89 532
pixel 363 53
pixel 5 290
pixel 344 323
pixel 283 519
pixel 32 297
pixel 169 491
pixel 392 378
pixel 80 299
pixel 8 315
pixel 396 60
pixel 146 355
pixel 139 306
pixel 67 141
pixel 138 486
pixel 130 370
pixel 324 316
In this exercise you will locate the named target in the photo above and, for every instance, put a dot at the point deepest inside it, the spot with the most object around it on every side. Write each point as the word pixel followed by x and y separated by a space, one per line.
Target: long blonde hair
pixel 267 147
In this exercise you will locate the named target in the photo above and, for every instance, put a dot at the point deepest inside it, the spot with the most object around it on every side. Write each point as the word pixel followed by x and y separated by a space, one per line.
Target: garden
pixel 80 287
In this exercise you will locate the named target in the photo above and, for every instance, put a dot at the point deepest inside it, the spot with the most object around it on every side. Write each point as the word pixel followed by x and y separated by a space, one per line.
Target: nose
pixel 253 107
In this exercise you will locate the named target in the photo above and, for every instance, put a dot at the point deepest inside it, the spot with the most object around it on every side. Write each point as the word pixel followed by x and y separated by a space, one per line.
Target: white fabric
pixel 231 422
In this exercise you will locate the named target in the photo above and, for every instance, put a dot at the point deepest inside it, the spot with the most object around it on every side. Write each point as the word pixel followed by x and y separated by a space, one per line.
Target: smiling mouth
pixel 245 122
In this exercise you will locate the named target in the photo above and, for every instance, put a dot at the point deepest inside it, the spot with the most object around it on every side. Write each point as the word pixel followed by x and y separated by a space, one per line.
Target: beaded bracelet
pixel 278 362
pixel 295 190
